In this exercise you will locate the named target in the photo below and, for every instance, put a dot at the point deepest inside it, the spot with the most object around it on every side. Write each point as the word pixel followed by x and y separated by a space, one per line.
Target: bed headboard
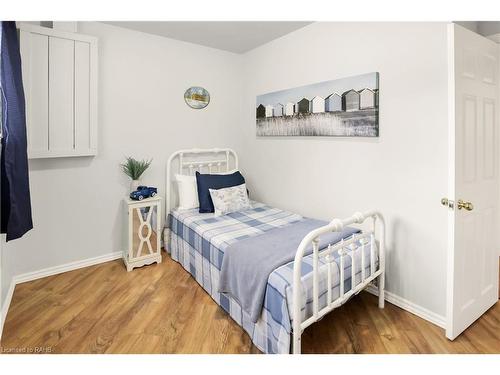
pixel 187 162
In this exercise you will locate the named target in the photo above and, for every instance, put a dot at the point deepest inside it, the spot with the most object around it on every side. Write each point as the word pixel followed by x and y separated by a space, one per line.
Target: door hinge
pixel 448 203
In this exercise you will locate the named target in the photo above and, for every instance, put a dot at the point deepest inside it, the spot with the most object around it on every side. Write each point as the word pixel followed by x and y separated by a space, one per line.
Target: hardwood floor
pixel 161 309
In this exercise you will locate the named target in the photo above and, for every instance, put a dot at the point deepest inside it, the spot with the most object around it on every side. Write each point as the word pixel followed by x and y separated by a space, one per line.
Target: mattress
pixel 198 241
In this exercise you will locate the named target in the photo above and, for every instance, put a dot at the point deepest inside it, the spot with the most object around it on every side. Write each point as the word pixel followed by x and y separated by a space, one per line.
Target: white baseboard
pixel 411 307
pixel 50 271
pixel 30 276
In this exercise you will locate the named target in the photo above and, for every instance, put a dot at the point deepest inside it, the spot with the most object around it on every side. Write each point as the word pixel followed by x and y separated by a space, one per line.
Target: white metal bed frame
pixel 191 160
pixel 218 160
pixel 343 249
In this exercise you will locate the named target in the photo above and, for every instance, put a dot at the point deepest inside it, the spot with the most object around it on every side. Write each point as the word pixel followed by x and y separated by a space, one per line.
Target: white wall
pixel 6 278
pixel 403 173
pixel 77 207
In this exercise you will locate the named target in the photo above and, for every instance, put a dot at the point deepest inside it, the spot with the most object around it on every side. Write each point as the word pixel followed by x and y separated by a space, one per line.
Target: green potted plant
pixel 134 169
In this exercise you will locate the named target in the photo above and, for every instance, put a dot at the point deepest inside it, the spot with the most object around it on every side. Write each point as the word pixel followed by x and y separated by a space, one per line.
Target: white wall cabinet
pixel 60 84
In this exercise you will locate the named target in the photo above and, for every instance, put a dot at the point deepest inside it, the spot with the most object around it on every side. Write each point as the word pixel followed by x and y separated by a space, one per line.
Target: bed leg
pixel 381 291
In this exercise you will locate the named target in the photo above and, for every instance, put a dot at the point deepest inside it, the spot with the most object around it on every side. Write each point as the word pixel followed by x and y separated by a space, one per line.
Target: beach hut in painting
pixel 367 99
pixel 317 104
pixel 303 106
pixel 350 100
pixel 278 110
pixel 289 109
pixel 333 103
pixel 269 110
pixel 261 111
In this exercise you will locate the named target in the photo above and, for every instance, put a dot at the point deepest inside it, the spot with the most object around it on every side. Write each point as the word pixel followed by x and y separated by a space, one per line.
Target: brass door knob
pixel 467 205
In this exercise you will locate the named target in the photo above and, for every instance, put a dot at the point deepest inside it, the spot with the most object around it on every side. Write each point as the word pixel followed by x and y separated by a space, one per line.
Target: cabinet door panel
pixel 35 57
pixel 61 94
pixel 82 96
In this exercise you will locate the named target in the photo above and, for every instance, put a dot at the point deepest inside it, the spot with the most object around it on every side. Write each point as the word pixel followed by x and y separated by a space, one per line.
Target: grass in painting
pixel 363 123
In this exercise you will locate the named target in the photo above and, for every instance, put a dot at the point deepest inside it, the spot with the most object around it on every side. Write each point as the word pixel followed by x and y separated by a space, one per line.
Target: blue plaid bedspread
pixel 198 241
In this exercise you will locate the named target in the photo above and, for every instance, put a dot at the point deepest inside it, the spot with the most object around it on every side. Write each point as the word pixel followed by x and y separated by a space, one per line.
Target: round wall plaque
pixel 197 97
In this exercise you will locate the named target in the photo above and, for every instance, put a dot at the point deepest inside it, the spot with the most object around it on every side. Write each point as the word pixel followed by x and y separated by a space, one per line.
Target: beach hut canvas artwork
pixel 347 107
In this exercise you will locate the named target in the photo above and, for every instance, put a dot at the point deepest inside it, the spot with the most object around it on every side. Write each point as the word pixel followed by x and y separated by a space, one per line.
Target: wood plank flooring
pixel 161 309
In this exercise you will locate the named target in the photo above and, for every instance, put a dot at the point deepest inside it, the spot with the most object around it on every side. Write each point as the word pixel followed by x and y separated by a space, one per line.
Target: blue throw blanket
pixel 248 263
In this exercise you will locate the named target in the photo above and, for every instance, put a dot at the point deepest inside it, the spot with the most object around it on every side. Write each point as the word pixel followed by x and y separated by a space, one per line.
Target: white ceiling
pixel 238 37
pixel 485 28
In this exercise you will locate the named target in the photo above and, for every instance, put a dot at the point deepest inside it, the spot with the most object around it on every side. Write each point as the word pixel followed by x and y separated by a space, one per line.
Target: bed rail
pixel 343 248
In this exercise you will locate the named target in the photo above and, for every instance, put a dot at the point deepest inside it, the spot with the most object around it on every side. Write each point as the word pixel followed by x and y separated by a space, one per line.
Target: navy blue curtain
pixel 15 193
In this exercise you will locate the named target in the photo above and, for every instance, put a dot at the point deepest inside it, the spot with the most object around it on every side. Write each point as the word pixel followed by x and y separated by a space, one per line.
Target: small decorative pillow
pixel 231 199
pixel 187 192
pixel 214 181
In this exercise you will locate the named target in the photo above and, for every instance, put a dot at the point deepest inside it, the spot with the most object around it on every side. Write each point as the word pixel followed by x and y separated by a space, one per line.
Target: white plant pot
pixel 134 184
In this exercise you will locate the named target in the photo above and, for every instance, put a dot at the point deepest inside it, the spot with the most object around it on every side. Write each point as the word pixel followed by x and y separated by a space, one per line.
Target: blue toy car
pixel 143 192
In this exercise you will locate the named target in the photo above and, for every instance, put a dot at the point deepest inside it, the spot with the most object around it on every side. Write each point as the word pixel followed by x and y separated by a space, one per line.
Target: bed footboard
pixel 344 251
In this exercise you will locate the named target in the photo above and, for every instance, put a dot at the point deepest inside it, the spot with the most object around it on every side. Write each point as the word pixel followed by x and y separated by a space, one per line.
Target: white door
pixel 474 177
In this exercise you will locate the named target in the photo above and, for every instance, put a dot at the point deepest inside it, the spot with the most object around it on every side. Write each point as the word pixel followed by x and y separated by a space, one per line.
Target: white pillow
pixel 187 192
pixel 231 199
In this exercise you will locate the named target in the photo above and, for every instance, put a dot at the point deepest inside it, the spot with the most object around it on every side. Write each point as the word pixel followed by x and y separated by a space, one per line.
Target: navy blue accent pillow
pixel 214 181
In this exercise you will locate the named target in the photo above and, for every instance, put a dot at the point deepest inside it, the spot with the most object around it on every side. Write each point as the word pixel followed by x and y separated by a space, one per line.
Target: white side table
pixel 144 232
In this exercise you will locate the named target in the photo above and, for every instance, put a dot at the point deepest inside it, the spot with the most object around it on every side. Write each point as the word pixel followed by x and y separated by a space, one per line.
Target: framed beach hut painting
pixel 347 107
